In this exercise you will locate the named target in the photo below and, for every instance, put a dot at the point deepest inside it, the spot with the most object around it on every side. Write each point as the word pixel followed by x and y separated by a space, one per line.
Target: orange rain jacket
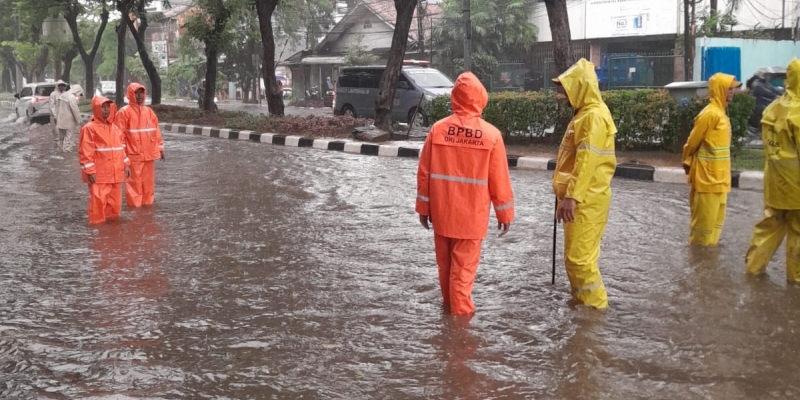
pixel 139 124
pixel 101 149
pixel 463 167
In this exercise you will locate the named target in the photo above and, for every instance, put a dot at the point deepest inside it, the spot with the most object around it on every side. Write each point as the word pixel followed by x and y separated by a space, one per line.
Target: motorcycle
pixel 313 93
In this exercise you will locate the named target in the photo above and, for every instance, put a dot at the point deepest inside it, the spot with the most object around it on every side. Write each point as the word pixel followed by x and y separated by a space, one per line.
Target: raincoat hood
pixel 97 109
pixel 76 91
pixel 793 80
pixel 580 83
pixel 132 88
pixel 468 97
pixel 60 82
pixel 718 87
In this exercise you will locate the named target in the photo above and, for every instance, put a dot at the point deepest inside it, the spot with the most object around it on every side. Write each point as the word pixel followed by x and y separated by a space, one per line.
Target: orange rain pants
pixel 458 263
pixel 140 188
pixel 105 201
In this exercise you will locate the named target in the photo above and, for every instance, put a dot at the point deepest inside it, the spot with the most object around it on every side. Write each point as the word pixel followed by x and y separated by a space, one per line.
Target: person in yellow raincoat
pixel 582 182
pixel 707 161
pixel 780 130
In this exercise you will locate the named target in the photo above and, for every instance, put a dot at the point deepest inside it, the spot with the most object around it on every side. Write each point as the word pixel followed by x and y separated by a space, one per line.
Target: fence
pixel 636 71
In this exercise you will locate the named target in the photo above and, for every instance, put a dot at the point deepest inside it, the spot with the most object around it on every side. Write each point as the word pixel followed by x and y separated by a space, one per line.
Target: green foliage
pixel 644 118
pixel 358 54
pixel 26 53
pixel 498 27
pixel 303 21
pixel 135 68
pixel 483 66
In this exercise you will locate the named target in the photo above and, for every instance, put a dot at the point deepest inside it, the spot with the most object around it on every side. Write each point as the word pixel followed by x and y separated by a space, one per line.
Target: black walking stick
pixel 555 230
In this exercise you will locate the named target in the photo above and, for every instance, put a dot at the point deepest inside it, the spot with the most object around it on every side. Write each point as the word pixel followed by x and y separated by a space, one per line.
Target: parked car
pixel 107 89
pixel 357 88
pixel 32 98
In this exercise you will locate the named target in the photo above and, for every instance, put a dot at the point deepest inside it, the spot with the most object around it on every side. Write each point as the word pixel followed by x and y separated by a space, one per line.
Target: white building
pixel 647 32
pixel 627 18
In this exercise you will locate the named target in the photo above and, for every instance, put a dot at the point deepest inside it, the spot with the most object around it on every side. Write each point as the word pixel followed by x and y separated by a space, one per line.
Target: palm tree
pixel 497 26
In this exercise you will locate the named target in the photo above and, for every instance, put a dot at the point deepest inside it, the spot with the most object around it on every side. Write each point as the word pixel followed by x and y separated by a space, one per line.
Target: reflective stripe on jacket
pixel 708 149
pixel 101 150
pixel 463 168
pixel 586 159
pixel 139 124
pixel 780 131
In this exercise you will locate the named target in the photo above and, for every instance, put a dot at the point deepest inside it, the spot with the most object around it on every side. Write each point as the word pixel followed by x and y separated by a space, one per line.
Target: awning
pixel 322 60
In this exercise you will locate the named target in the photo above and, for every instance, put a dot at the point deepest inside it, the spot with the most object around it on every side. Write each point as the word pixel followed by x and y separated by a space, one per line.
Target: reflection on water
pixel 270 272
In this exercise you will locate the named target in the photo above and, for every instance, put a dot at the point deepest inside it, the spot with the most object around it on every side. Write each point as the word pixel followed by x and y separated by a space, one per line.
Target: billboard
pixel 619 18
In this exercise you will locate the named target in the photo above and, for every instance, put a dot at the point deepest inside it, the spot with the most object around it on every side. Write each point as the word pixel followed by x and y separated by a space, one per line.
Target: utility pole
pixel 688 39
pixel 420 33
pixel 783 16
pixel 467 36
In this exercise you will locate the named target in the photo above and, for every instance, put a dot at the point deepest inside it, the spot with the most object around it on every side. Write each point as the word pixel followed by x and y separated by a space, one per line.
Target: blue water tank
pixel 727 60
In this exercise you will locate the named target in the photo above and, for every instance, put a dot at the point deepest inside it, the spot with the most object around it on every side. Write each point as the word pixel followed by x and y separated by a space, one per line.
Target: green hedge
pixel 644 118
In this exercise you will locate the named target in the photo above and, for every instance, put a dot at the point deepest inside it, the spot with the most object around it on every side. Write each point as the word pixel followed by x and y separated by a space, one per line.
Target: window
pixel 369 79
pixel 44 90
pixel 26 92
pixel 367 24
pixel 348 81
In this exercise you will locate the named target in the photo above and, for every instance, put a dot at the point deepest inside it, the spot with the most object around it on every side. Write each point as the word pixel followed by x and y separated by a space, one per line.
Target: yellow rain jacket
pixel 780 127
pixel 586 160
pixel 708 150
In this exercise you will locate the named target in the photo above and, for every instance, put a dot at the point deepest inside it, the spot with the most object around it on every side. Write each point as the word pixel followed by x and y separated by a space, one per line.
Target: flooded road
pixel 266 272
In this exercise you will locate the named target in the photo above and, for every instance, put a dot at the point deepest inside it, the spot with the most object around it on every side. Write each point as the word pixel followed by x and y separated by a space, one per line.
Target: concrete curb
pixel 752 180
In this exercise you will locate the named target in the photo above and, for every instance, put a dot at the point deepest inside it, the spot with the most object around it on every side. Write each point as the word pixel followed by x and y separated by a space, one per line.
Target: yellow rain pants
pixel 767 238
pixel 582 250
pixel 708 217
pixel 780 131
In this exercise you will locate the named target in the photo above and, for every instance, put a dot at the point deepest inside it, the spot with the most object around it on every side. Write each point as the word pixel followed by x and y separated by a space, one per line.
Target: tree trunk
pixel 211 78
pixel 41 64
pixel 65 75
pixel 246 89
pixel 71 15
pixel 5 81
pixel 264 9
pixel 147 63
pixel 56 67
pixel 391 74
pixel 122 29
pixel 688 45
pixel 559 26
pixel 714 13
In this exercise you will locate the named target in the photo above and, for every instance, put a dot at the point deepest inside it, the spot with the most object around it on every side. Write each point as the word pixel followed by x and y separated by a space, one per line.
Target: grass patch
pixel 7 96
pixel 312 127
pixel 85 106
pixel 748 160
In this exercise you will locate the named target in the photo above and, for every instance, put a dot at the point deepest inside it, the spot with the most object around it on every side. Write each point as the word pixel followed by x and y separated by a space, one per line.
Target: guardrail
pixel 6 103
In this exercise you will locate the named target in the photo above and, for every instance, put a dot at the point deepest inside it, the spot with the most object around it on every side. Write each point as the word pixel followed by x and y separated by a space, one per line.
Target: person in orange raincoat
pixel 144 144
pixel 582 182
pixel 104 164
pixel 462 170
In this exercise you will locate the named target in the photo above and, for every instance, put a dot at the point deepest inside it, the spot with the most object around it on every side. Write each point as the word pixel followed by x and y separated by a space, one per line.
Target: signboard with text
pixel 619 18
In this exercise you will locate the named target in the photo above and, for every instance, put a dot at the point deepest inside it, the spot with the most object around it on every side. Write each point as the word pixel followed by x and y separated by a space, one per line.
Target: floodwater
pixel 266 272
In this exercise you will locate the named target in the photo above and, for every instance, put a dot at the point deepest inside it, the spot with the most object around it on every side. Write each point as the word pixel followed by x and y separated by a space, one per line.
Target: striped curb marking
pixel 752 180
